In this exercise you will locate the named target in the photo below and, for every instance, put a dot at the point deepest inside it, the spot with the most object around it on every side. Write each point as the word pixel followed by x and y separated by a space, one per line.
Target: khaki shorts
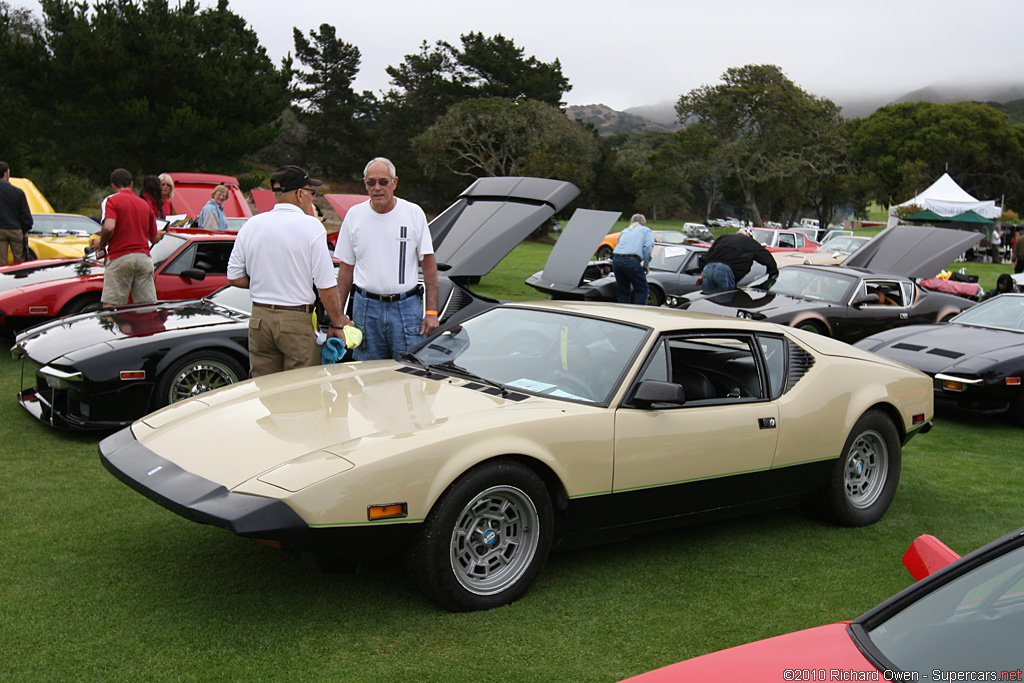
pixel 281 340
pixel 129 274
pixel 13 238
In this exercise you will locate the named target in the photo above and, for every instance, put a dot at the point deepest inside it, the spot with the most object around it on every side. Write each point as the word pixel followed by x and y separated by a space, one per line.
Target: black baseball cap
pixel 288 178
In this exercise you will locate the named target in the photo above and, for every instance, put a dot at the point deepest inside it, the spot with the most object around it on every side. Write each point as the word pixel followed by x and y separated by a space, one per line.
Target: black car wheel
pixel 84 303
pixel 655 297
pixel 485 540
pixel 604 253
pixel 812 326
pixel 864 479
pixel 195 374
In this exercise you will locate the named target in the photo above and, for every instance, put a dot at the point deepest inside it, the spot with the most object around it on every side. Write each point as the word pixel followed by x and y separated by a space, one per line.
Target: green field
pixel 98 583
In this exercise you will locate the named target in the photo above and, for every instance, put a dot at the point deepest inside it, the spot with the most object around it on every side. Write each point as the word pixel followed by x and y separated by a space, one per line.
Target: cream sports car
pixel 528 427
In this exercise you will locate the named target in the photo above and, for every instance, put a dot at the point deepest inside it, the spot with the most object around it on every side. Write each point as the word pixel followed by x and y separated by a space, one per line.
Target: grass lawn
pixel 98 583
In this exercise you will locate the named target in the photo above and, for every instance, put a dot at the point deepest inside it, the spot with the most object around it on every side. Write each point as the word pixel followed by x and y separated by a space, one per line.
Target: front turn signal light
pixel 388 511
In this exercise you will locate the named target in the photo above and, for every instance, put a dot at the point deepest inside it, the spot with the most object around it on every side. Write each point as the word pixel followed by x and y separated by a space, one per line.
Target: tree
pixel 23 56
pixel 141 85
pixel 430 82
pixel 335 115
pixel 497 136
pixel 763 127
pixel 905 147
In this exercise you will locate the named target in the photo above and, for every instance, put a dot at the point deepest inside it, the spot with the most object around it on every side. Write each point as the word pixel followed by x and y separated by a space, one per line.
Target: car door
pixel 889 308
pixel 716 448
pixel 210 256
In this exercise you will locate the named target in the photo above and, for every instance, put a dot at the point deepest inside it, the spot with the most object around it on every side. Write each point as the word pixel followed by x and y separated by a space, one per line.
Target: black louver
pixel 799 363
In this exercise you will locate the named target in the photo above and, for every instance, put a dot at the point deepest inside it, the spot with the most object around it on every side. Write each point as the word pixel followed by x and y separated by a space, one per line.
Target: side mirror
pixel 864 299
pixel 655 391
pixel 194 274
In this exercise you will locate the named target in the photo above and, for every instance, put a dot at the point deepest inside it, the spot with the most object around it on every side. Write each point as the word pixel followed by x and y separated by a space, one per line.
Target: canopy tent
pixel 926 215
pixel 970 217
pixel 947 199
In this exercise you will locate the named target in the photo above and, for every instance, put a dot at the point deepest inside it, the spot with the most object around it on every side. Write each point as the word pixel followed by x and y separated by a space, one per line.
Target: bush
pixel 66 192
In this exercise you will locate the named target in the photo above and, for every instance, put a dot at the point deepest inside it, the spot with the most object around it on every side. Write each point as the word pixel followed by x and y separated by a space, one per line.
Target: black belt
pixel 305 308
pixel 627 255
pixel 388 298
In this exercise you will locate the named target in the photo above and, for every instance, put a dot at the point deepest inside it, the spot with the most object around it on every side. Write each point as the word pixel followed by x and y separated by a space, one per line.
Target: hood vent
pixel 946 354
pixel 903 346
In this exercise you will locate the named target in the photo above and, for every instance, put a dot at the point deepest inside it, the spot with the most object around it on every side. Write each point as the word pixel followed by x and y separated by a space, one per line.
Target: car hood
pixel 83 336
pixel 341 416
pixel 754 300
pixel 491 217
pixel 46 271
pixel 912 250
pixel 571 253
pixel 820 649
pixel 946 347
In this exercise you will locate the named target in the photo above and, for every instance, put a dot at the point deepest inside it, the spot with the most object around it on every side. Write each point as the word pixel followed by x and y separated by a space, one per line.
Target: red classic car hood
pixel 791 657
pixel 35 272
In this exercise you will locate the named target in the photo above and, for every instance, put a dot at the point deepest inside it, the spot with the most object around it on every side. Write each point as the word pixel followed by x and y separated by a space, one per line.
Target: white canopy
pixel 948 199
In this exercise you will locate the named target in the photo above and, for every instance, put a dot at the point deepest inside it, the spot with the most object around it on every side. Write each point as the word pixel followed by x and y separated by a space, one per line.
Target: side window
pixel 800 241
pixel 658 367
pixel 774 350
pixel 182 262
pixel 715 369
pixel 213 257
pixel 786 240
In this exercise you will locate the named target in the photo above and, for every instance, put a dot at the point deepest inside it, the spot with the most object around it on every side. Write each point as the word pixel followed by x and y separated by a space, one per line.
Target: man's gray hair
pixel 382 160
pixel 638 218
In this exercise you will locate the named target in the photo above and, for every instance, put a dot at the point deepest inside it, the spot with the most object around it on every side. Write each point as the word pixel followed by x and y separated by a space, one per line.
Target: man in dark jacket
pixel 729 259
pixel 15 217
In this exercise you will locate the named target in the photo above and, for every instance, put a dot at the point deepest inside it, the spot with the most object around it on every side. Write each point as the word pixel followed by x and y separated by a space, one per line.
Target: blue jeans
pixel 388 328
pixel 629 275
pixel 717 277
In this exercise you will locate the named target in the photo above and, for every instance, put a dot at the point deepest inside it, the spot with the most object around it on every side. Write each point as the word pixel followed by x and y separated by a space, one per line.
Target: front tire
pixel 864 479
pixel 812 326
pixel 604 253
pixel 485 540
pixel 84 303
pixel 195 374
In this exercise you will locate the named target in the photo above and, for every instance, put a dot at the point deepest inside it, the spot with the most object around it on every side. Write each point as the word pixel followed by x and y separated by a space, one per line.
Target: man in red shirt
pixel 129 228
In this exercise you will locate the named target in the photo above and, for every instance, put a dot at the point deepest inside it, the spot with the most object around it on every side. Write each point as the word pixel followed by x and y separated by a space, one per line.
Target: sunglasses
pixel 383 182
pixel 311 191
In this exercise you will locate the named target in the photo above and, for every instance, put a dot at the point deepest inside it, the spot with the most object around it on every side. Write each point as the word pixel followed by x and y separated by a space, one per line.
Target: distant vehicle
pixel 782 240
pixel 830 253
pixel 193 190
pixel 607 246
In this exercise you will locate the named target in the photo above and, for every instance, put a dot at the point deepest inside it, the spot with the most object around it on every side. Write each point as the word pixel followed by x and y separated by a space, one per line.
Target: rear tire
pixel 485 540
pixel 864 479
pixel 604 253
pixel 196 374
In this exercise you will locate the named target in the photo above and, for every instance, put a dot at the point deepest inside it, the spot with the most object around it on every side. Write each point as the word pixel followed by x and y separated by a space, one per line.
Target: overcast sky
pixel 630 53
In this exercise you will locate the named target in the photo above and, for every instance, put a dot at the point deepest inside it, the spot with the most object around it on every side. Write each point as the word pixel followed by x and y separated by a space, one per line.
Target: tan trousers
pixel 14 239
pixel 281 340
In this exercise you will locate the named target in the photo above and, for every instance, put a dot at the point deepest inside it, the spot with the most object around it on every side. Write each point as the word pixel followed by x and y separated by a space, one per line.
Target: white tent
pixel 948 199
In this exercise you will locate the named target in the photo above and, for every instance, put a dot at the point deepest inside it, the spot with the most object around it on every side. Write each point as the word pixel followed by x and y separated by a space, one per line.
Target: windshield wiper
pixel 415 360
pixel 472 375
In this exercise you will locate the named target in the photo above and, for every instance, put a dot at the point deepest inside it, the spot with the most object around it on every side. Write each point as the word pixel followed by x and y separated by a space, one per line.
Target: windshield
pixel 814 284
pixel 765 237
pixel 1005 312
pixel 669 236
pixel 56 224
pixel 548 353
pixel 232 297
pixel 847 245
pixel 669 258
pixel 166 248
pixel 973 623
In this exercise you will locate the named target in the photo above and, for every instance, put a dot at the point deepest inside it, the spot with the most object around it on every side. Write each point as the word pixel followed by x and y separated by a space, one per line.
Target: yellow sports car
pixel 532 426
pixel 60 235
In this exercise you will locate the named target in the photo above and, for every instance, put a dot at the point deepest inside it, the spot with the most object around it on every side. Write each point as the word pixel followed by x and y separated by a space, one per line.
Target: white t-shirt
pixel 385 248
pixel 284 253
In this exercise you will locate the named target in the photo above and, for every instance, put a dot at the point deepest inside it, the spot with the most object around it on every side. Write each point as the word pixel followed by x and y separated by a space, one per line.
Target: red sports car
pixel 189 264
pixel 962 621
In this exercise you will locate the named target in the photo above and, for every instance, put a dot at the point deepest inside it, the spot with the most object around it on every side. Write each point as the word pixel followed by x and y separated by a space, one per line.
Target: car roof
pixel 659 318
pixel 913 251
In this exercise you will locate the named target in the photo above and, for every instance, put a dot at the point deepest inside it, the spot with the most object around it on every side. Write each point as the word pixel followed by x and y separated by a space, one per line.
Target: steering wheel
pixel 572 384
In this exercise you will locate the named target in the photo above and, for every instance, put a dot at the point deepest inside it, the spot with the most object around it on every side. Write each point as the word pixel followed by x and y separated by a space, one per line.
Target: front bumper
pixel 266 519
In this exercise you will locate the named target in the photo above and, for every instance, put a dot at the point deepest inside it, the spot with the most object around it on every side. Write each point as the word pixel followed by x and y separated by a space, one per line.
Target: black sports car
pixel 674 270
pixel 857 299
pixel 976 359
pixel 104 370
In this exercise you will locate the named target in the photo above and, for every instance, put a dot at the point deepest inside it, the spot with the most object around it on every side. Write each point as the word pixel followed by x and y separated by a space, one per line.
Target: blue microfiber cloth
pixel 333 351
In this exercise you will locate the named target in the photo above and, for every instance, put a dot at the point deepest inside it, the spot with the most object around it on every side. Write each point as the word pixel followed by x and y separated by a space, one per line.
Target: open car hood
pixel 491 217
pixel 913 251
pixel 571 253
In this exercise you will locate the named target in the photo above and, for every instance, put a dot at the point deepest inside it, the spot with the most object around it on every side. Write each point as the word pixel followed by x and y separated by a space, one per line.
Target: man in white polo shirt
pixel 280 256
pixel 382 244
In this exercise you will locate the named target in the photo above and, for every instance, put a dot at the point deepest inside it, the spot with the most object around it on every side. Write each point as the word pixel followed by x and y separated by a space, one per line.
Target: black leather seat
pixel 696 386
